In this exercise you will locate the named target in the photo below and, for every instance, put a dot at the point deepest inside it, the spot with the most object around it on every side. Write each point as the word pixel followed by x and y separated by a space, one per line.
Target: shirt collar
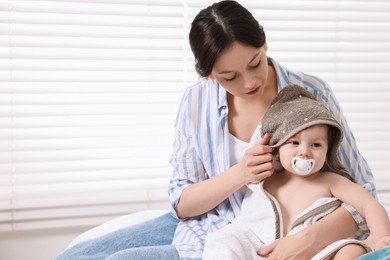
pixel 282 75
pixel 222 103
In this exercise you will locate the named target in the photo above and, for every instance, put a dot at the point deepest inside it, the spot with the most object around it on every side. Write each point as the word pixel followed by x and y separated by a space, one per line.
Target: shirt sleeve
pixel 352 160
pixel 186 164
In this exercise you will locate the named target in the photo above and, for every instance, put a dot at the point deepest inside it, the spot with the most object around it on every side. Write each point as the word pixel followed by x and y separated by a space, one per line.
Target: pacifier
pixel 301 166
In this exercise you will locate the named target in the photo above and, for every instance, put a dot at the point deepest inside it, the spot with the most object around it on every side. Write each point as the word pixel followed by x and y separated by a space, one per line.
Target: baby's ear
pixel 276 160
pixel 275 153
pixel 277 165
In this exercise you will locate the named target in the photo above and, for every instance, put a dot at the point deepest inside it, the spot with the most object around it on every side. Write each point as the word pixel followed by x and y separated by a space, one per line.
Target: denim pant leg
pixel 155 232
pixel 167 252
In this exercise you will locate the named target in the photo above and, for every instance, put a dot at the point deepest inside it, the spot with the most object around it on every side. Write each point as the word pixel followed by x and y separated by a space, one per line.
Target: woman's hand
pixel 307 242
pixel 290 247
pixel 199 198
pixel 257 162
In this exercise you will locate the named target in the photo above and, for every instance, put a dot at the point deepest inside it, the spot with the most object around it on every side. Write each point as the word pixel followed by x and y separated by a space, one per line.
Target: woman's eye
pixel 316 145
pixel 257 65
pixel 294 142
pixel 231 79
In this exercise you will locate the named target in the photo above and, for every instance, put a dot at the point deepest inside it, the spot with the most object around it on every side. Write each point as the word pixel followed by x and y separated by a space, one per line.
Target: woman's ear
pixel 265 46
pixel 211 77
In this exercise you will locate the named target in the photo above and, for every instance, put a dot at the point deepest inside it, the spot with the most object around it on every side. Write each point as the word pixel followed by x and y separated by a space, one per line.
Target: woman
pixel 211 163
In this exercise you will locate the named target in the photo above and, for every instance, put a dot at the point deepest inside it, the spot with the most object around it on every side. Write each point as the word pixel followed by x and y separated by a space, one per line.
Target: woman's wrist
pixel 311 240
pixel 319 235
pixel 237 176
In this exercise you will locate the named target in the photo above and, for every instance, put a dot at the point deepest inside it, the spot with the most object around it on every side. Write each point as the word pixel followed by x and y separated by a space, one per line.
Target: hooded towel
pixel 295 109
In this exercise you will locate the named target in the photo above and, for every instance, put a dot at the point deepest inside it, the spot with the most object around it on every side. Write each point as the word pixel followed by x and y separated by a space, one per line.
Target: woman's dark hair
pixel 216 27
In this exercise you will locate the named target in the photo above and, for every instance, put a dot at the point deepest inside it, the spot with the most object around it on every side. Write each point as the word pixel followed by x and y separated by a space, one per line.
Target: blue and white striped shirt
pixel 201 151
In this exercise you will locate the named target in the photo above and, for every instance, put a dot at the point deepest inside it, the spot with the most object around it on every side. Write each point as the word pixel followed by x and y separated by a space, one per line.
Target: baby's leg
pixel 350 251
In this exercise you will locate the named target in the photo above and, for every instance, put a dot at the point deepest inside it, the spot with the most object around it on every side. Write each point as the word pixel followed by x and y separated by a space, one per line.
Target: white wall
pixel 36 245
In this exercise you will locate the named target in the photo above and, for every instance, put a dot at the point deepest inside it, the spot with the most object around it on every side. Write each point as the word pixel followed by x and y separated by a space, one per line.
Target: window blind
pixel 89 90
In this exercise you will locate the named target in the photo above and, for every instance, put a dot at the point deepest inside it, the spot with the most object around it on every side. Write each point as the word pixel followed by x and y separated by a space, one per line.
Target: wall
pixel 36 245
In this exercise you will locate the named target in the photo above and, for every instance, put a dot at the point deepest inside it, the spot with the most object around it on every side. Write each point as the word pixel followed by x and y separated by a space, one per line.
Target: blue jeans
pixel 150 240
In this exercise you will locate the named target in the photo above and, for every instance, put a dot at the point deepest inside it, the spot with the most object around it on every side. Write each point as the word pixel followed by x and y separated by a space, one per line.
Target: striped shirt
pixel 201 151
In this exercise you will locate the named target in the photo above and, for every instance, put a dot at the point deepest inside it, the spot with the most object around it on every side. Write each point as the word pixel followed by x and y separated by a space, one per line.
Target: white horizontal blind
pixel 89 90
pixel 347 43
pixel 89 93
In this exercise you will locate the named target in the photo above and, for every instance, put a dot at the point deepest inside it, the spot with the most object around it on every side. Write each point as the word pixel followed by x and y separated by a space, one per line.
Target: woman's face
pixel 242 70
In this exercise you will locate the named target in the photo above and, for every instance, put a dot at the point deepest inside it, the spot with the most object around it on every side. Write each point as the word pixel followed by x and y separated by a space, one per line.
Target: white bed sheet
pixel 132 219
pixel 117 223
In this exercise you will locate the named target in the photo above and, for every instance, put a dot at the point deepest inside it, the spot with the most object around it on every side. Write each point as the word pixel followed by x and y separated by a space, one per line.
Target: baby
pixel 309 182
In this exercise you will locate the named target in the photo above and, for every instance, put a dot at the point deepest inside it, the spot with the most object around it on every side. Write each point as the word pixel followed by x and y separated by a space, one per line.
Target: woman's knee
pixel 156 232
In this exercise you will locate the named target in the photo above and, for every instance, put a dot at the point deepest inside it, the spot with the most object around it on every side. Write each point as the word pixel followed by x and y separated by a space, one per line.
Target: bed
pixel 134 218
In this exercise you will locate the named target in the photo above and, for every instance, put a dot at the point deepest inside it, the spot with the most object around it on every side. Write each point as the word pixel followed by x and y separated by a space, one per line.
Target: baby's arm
pixel 356 196
pixel 377 221
pixel 382 242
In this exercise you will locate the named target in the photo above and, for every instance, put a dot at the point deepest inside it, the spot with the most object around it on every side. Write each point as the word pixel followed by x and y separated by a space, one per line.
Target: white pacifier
pixel 301 166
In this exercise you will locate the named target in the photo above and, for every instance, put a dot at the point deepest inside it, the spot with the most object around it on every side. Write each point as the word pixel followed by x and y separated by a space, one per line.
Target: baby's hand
pixel 382 242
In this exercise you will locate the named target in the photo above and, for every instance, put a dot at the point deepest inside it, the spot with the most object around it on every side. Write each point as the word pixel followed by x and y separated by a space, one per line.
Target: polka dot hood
pixel 295 109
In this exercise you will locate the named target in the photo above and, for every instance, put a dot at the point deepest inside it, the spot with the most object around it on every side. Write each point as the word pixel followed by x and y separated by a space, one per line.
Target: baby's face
pixel 309 144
